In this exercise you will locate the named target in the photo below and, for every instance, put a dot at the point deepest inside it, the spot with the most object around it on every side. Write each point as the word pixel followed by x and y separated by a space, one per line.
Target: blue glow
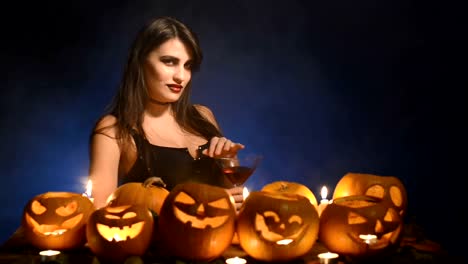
pixel 320 88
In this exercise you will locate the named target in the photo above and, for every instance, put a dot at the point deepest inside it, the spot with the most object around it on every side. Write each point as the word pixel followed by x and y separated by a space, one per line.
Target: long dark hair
pixel 129 103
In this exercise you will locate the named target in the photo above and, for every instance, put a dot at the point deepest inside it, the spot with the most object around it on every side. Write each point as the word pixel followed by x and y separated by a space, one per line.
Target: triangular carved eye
pixel 117 209
pixel 391 215
pixel 129 215
pixel 354 218
pixel 220 203
pixel 68 209
pixel 184 198
pixel 110 216
pixel 38 208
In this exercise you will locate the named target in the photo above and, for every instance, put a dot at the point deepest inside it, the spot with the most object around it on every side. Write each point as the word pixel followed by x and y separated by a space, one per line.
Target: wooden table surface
pixel 16 251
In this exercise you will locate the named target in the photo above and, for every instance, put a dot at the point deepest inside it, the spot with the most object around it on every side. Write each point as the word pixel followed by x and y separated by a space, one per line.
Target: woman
pixel 151 128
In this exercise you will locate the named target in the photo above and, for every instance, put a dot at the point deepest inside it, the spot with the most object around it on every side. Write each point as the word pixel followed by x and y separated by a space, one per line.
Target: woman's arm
pixel 104 160
pixel 219 146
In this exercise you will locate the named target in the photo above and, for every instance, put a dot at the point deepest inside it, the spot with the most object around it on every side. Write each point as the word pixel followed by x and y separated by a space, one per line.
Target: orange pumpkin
pixel 291 187
pixel 151 194
pixel 197 221
pixel 115 233
pixel 56 220
pixel 388 188
pixel 347 218
pixel 277 226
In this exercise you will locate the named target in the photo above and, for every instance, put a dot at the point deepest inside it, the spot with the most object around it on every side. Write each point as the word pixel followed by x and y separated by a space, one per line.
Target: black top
pixel 172 165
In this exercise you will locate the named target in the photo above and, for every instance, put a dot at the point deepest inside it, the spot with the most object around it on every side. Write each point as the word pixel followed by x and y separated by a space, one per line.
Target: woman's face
pixel 168 71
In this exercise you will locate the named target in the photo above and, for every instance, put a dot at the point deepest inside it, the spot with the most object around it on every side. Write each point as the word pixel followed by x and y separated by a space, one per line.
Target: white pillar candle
pixel 89 190
pixel 324 202
pixel 236 260
pixel 328 258
pixel 49 255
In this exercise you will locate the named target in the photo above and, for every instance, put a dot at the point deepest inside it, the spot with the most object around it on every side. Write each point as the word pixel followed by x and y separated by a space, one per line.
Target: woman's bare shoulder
pixel 205 111
pixel 107 120
pixel 106 125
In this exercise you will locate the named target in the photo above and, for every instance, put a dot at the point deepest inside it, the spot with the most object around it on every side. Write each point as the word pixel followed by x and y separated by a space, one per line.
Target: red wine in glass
pixel 237 175
pixel 238 169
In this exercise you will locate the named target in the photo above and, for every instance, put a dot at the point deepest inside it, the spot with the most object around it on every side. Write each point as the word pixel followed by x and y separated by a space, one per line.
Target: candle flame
pixel 49 253
pixel 324 192
pixel 117 238
pixel 286 241
pixel 89 188
pixel 245 192
pixel 327 255
pixel 368 238
pixel 236 260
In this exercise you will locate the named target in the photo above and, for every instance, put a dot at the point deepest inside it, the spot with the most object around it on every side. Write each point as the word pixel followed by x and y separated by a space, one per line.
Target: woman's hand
pixel 237 193
pixel 222 147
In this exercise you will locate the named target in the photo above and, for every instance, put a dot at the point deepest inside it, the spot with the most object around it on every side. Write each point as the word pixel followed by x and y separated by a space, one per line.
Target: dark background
pixel 321 88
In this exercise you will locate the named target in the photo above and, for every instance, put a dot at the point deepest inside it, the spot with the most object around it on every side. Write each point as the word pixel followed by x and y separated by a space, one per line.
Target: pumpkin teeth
pixel 45 230
pixel 57 232
pixel 118 234
pixel 382 241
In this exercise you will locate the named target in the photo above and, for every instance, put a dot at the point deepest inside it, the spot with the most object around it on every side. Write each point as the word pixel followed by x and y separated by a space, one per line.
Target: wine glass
pixel 239 168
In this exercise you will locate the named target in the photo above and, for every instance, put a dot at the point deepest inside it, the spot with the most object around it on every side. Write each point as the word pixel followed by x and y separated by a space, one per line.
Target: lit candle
pixel 323 194
pixel 49 255
pixel 89 190
pixel 236 260
pixel 245 192
pixel 285 242
pixel 324 202
pixel 369 239
pixel 328 258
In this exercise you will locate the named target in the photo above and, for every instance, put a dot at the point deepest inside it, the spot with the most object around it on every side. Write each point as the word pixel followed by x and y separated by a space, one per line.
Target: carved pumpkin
pixel 343 221
pixel 388 188
pixel 115 233
pixel 56 220
pixel 197 221
pixel 150 194
pixel 275 226
pixel 291 187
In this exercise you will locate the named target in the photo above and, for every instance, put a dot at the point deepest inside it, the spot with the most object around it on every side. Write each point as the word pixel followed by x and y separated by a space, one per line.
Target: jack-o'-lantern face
pixel 387 188
pixel 126 229
pixel 350 217
pixel 201 214
pixel 56 220
pixel 197 221
pixel 120 224
pixel 277 226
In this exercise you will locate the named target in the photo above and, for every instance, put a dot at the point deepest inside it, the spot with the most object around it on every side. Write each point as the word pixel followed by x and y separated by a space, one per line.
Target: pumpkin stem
pixel 156 181
pixel 283 187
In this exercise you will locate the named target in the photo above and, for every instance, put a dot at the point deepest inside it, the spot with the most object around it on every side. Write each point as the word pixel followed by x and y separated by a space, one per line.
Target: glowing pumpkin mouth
pixel 264 232
pixel 119 233
pixel 200 222
pixel 53 230
pixel 381 242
